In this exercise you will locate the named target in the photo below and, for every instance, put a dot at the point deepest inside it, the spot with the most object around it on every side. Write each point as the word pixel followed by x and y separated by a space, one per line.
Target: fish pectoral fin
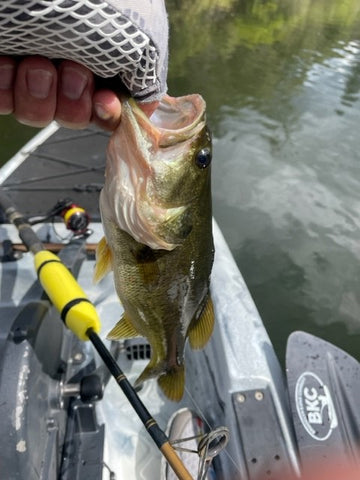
pixel 200 330
pixel 123 329
pixel 103 260
pixel 172 383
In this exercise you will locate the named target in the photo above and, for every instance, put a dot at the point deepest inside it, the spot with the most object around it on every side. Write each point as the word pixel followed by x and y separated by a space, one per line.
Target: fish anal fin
pixel 103 260
pixel 123 329
pixel 171 380
pixel 200 330
pixel 172 383
pixel 152 370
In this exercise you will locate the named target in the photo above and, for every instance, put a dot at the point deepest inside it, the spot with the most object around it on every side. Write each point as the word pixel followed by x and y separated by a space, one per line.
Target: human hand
pixel 38 91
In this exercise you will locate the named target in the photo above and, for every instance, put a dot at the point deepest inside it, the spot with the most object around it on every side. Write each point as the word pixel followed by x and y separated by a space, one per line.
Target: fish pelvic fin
pixel 201 329
pixel 103 260
pixel 123 329
pixel 172 383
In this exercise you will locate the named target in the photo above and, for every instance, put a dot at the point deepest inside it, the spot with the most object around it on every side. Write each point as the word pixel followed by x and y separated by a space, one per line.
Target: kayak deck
pixel 236 381
pixel 65 163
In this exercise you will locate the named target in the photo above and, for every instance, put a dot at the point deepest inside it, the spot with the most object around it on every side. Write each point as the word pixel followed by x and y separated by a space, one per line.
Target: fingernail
pixel 39 82
pixel 101 112
pixel 6 76
pixel 73 83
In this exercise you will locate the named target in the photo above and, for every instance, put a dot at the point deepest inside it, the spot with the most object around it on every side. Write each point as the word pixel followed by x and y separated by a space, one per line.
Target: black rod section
pixel 152 427
pixel 33 243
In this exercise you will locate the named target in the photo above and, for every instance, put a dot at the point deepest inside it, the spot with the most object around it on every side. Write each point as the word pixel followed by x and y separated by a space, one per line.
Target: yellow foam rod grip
pixel 77 312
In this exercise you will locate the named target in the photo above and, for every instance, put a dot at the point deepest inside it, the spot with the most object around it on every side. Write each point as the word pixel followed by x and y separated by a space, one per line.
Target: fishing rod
pixel 80 316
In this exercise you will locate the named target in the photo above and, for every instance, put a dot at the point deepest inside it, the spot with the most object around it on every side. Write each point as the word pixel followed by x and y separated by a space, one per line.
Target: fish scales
pixel 156 214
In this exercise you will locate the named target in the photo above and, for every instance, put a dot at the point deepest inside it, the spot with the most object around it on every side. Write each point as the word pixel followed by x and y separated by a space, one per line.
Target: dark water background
pixel 282 84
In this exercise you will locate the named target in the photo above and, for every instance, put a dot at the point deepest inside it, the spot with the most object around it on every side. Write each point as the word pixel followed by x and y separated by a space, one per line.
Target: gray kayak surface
pixel 236 381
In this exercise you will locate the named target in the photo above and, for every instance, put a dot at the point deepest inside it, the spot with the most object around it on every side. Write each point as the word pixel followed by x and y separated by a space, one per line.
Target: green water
pixel 12 137
pixel 282 84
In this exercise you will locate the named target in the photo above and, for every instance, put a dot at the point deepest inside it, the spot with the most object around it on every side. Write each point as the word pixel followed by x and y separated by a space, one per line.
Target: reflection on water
pixel 282 83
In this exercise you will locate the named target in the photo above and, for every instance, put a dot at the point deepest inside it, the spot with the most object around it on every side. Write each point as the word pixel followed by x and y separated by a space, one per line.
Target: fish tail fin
pixel 172 383
pixel 200 330
pixel 103 260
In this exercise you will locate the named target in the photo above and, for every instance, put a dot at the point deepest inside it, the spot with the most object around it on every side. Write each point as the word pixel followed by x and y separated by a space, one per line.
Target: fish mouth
pixel 139 196
pixel 175 120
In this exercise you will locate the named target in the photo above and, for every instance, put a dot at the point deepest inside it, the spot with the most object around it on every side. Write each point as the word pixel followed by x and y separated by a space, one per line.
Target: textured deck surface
pixel 70 164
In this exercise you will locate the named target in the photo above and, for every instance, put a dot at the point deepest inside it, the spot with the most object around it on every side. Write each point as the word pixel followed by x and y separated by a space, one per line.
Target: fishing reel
pixel 75 217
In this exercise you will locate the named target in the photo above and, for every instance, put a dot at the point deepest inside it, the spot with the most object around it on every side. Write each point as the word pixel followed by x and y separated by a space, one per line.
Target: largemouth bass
pixel 156 213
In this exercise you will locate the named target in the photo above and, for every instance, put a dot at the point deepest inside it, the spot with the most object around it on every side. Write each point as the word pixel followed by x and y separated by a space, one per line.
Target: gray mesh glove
pixel 124 37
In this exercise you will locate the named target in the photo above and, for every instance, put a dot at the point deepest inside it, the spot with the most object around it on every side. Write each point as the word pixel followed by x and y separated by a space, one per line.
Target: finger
pixel 7 78
pixel 35 91
pixel 106 109
pixel 74 97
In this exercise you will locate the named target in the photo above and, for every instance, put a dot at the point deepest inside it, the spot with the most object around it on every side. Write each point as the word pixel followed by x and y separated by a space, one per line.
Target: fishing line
pixel 197 407
pixel 203 417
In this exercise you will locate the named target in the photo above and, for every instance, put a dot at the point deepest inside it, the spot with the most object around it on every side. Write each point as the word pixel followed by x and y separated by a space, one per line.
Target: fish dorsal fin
pixel 172 383
pixel 200 330
pixel 103 260
pixel 123 329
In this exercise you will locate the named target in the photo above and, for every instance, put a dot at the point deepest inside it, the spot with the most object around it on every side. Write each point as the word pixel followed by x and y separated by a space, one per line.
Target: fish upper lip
pixel 161 136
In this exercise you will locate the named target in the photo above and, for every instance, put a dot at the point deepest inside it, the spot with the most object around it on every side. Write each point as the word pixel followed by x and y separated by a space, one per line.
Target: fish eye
pixel 203 158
